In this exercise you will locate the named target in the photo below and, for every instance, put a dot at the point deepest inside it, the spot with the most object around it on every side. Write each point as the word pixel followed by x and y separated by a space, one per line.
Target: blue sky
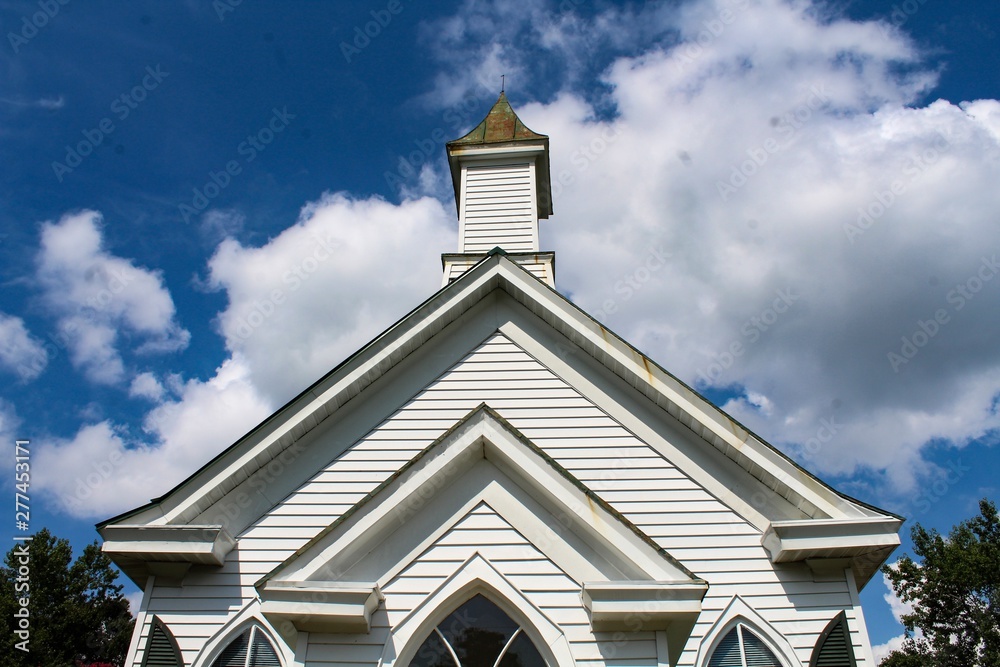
pixel 822 178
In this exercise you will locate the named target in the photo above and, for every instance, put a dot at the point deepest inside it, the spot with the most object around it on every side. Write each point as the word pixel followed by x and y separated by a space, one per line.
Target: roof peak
pixel 500 126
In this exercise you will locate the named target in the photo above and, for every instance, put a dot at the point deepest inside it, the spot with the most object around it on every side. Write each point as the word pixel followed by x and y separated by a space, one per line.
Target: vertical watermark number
pixel 22 520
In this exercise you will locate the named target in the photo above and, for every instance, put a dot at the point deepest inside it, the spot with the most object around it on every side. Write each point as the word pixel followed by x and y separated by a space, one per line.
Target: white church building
pixel 497 480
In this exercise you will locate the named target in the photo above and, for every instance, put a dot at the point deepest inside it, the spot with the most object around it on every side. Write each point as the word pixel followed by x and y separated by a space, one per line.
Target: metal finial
pixel 502 83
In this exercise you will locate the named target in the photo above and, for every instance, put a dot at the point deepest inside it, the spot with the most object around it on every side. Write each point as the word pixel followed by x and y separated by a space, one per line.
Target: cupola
pixel 500 172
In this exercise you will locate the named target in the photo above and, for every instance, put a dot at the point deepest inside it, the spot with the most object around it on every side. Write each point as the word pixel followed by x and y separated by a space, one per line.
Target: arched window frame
pixel 837 620
pixel 159 626
pixel 738 612
pixel 248 617
pixel 442 634
pixel 475 576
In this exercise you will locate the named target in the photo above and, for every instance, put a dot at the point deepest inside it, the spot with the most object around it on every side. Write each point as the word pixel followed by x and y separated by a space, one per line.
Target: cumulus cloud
pixel 20 352
pixel 781 219
pixel 317 292
pixel 297 306
pixel 146 385
pixel 102 470
pixel 96 295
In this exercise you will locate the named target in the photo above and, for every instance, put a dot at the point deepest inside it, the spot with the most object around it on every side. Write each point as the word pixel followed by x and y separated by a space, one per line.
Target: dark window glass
pixel 481 635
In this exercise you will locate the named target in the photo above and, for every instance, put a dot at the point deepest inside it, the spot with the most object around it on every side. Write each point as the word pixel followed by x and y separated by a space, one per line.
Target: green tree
pixel 955 593
pixel 77 612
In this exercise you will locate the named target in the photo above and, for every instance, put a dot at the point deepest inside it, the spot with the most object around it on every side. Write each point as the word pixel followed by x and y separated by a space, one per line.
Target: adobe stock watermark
pixel 223 7
pixel 293 278
pixel 456 117
pixel 827 431
pixel 936 491
pixel 122 107
pixel 583 157
pixel 632 282
pixel 882 200
pixel 31 24
pixel 900 14
pixel 785 129
pixel 751 331
pixel 712 29
pixel 363 35
pixel 958 297
pixel 248 150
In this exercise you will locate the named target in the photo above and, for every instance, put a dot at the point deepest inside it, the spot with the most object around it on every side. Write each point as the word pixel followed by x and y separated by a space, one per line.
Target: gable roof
pixel 497 273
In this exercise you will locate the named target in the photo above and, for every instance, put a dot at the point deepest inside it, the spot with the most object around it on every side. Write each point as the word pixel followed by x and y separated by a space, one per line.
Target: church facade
pixel 499 480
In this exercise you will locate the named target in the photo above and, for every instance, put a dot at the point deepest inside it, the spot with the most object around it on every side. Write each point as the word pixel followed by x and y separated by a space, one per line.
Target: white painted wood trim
pixel 641 605
pixel 867 657
pixel 789 541
pixel 454 472
pixel 141 619
pixel 204 545
pixel 494 151
pixel 321 606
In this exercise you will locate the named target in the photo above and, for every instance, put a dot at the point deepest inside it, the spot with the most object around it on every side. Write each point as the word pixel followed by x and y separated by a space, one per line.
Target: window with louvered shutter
pixel 251 649
pixel 161 651
pixel 742 648
pixel 834 647
pixel 727 653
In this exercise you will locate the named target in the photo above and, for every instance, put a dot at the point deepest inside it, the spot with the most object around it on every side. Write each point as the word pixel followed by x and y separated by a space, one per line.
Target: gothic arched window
pixel 478 634
pixel 251 649
pixel 742 648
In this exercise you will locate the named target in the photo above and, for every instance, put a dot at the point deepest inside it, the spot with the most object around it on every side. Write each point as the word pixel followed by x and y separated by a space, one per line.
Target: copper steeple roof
pixel 500 126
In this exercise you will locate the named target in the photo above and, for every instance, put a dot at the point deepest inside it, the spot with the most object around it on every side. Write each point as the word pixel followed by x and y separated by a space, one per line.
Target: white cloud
pixel 880 651
pixel 20 352
pixel 96 295
pixel 297 306
pixel 145 385
pixel 326 285
pixel 814 215
pixel 102 471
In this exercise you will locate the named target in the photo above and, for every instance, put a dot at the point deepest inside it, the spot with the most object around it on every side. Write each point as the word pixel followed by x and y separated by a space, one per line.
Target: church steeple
pixel 500 171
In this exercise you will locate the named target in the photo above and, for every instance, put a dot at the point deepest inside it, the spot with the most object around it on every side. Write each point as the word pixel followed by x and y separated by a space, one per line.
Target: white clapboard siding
pixel 687 521
pixel 498 208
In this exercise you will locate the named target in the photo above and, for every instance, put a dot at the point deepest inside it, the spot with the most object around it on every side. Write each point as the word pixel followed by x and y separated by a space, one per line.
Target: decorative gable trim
pixel 832 545
pixel 165 551
pixel 322 606
pixel 451 475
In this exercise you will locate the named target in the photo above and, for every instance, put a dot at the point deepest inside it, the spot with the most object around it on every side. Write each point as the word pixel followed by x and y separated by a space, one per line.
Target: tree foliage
pixel 955 593
pixel 78 614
